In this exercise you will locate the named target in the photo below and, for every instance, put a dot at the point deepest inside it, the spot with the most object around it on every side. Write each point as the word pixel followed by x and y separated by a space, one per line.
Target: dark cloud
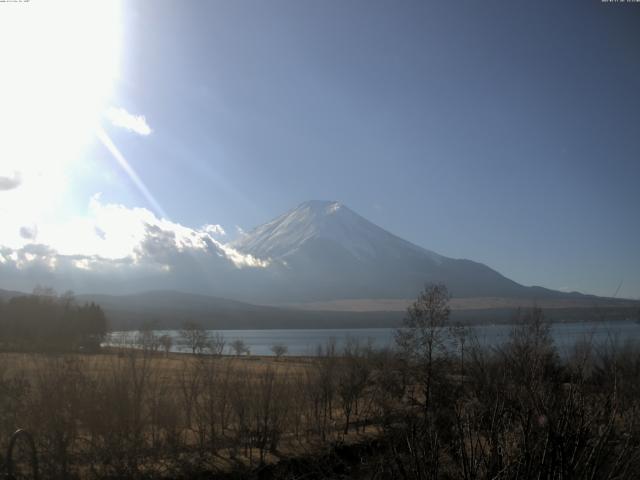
pixel 38 249
pixel 100 233
pixel 9 183
pixel 29 233
pixel 158 245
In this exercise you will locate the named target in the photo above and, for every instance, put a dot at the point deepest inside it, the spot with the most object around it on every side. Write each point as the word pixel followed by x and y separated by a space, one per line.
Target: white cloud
pixel 29 233
pixel 241 260
pixel 135 123
pixel 114 246
pixel 212 230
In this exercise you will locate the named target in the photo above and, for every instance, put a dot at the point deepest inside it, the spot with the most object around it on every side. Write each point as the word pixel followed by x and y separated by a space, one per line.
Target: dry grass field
pixel 129 412
pixel 170 365
pixel 432 411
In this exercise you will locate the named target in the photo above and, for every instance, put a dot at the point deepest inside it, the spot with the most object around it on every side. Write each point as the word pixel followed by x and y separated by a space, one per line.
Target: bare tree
pixel 146 339
pixel 239 347
pixel 166 341
pixel 421 339
pixel 270 405
pixel 353 377
pixel 459 336
pixel 194 337
pixel 530 351
pixel 324 382
pixel 216 344
pixel 279 350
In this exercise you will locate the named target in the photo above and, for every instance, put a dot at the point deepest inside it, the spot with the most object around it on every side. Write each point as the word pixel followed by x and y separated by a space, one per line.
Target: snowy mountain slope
pixel 331 221
pixel 323 250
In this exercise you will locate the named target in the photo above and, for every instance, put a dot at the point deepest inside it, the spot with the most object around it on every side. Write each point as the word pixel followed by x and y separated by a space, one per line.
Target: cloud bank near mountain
pixel 115 247
pixel 318 251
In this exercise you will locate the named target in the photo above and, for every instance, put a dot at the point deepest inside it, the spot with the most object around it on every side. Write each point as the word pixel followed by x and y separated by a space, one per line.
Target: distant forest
pixel 45 321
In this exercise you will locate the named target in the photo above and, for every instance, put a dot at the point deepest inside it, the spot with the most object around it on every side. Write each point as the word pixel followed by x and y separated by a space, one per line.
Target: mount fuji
pixel 320 265
pixel 322 250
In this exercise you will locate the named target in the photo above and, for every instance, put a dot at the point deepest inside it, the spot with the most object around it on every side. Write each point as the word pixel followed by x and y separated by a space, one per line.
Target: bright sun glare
pixel 59 61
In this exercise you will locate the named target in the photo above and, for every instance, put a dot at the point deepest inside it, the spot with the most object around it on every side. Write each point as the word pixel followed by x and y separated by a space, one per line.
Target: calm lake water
pixel 305 342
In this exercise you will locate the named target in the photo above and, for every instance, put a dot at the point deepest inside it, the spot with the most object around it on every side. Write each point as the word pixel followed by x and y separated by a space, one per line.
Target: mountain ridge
pixel 320 251
pixel 324 250
pixel 313 216
pixel 168 309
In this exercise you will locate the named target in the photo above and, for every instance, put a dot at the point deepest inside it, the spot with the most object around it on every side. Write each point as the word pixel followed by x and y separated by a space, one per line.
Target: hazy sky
pixel 504 132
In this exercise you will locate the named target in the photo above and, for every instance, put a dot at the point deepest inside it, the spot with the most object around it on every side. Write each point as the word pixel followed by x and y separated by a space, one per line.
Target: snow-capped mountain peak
pixel 334 207
pixel 326 221
pixel 324 250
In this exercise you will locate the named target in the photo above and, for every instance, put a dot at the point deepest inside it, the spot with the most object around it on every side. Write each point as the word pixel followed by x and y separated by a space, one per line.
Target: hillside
pixel 323 250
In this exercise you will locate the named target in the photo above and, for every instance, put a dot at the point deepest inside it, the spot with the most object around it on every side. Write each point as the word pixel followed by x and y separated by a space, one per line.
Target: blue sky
pixel 504 132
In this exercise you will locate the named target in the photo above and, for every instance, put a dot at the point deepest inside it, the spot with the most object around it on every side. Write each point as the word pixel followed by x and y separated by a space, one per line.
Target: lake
pixel 304 342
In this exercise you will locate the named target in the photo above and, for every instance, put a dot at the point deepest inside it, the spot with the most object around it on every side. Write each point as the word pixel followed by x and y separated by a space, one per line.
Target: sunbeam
pixel 128 169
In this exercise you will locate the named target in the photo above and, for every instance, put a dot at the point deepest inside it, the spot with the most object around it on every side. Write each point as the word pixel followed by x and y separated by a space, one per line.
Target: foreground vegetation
pixel 428 409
